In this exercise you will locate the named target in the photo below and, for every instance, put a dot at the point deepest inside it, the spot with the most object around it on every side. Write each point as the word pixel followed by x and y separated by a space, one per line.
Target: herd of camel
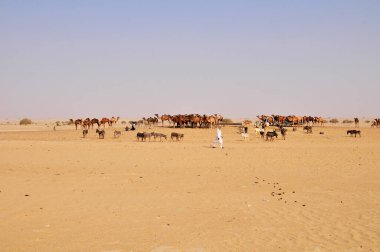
pixel 291 120
pixel 86 123
pixel 209 121
pixel 191 120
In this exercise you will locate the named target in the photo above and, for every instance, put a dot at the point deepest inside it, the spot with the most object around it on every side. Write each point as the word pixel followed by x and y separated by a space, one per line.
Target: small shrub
pixel 227 120
pixel 25 121
pixel 334 120
pixel 348 121
pixel 123 122
pixel 367 121
pixel 58 123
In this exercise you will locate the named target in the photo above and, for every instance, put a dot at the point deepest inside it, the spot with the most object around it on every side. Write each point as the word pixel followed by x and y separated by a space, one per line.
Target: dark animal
pixel 95 121
pixel 354 132
pixel 159 135
pixel 283 132
pixel 140 136
pixel 177 136
pixel 262 133
pixel 116 133
pixel 270 135
pixel 85 132
pixel 143 136
pixel 77 122
pixel 101 133
pixel 308 129
pixel 356 122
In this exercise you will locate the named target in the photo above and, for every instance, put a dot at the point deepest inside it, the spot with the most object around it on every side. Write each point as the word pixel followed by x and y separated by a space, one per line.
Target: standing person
pixel 245 133
pixel 219 138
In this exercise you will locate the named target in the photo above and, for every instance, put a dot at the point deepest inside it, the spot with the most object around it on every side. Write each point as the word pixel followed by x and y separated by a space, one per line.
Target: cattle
pixel 308 129
pixel 270 135
pixel 177 136
pixel 354 132
pixel 101 133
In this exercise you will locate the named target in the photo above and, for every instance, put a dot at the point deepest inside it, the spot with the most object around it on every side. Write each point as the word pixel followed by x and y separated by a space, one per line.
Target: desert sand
pixel 311 192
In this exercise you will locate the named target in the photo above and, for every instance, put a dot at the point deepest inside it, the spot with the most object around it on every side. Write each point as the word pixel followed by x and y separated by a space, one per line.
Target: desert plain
pixel 310 192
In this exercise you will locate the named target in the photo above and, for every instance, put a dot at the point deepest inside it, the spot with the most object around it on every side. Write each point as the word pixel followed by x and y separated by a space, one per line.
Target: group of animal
pixel 101 133
pixel 270 135
pixel 145 135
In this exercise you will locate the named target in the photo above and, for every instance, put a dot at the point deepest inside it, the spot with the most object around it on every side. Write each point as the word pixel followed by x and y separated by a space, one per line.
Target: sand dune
pixel 61 192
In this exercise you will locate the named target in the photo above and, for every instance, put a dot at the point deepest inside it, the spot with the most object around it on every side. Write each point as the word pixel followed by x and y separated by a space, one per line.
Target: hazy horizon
pixel 68 59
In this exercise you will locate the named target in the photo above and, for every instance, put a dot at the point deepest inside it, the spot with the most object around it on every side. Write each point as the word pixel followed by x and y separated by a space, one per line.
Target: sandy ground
pixel 60 192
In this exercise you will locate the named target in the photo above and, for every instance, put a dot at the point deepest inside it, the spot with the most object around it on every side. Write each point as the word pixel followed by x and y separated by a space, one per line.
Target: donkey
pixel 160 135
pixel 308 129
pixel 270 135
pixel 283 132
pixel 177 136
pixel 84 132
pixel 101 133
pixel 116 134
pixel 354 132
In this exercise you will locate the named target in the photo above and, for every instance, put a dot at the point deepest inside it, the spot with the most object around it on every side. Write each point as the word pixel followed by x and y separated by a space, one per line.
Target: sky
pixel 69 59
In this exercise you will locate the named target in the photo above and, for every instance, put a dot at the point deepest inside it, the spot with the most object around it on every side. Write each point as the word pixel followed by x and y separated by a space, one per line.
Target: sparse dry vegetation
pixel 347 121
pixel 227 120
pixel 334 120
pixel 25 121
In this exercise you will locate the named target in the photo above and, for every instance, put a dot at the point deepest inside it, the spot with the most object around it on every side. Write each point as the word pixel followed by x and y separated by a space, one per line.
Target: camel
pixel 95 121
pixel 211 121
pixel 246 123
pixel 164 118
pixel 77 122
pixel 86 123
pixel 113 120
pixel 219 118
pixel 195 120
pixel 264 118
pixel 104 121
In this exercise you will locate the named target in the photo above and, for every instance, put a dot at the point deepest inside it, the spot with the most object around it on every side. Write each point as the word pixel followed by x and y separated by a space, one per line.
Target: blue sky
pixel 237 58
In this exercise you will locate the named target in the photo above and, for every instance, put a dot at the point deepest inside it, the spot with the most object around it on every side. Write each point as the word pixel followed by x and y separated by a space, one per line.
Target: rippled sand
pixel 60 192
